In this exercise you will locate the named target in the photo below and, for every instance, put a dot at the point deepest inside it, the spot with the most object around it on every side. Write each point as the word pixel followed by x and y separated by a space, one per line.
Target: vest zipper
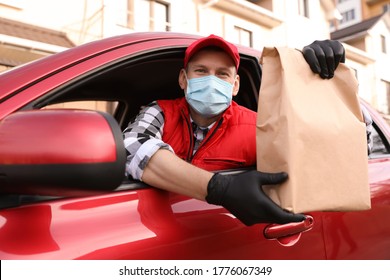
pixel 189 154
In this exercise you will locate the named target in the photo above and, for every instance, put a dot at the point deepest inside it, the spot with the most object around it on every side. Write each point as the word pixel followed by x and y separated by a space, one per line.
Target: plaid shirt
pixel 143 137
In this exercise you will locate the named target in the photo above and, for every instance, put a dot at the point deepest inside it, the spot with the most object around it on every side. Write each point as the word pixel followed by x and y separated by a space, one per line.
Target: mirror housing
pixel 60 152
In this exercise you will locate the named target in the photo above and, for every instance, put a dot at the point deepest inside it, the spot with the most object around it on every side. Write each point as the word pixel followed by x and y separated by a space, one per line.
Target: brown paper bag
pixel 312 129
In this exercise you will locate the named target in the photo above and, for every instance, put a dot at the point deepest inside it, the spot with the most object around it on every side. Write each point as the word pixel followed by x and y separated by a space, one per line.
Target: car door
pixel 135 221
pixel 365 234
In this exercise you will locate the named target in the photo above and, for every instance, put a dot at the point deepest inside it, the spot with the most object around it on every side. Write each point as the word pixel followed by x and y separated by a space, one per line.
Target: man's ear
pixel 183 79
pixel 236 85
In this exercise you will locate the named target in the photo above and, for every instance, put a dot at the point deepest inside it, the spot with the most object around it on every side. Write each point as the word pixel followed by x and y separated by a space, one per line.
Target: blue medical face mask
pixel 209 95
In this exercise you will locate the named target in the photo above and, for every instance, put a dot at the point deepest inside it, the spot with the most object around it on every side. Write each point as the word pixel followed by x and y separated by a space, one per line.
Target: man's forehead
pixel 212 58
pixel 207 66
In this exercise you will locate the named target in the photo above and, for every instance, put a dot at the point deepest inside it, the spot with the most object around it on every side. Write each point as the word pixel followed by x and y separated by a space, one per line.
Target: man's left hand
pixel 324 57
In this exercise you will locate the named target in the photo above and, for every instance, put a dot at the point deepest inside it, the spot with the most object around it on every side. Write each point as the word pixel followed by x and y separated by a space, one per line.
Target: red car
pixel 63 191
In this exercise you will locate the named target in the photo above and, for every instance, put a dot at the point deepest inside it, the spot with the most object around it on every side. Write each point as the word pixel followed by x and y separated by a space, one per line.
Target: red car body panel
pixel 147 223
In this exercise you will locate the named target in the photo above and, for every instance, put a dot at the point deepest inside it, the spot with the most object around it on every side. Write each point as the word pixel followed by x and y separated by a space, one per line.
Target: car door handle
pixel 288 234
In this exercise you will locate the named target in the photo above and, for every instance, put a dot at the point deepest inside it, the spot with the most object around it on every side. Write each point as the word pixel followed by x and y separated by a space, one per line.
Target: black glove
pixel 324 57
pixel 244 197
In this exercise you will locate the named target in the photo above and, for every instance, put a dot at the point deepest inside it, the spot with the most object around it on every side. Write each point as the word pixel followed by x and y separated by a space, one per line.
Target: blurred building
pixel 365 26
pixel 21 43
pixel 255 23
pixel 371 37
pixel 355 11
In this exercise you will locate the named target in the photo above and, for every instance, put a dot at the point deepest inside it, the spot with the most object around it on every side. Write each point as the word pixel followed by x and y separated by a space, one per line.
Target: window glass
pixel 380 145
pixel 141 15
pixel 104 106
pixel 348 16
pixel 122 12
pixel 243 36
pixel 303 8
pixel 384 97
pixel 386 8
pixel 383 44
pixel 151 15
pixel 160 17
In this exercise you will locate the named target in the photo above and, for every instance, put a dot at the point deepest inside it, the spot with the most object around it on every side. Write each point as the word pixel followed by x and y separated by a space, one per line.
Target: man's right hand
pixel 244 197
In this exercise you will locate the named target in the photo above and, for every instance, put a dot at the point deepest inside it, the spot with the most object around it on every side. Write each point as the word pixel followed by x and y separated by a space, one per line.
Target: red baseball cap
pixel 212 40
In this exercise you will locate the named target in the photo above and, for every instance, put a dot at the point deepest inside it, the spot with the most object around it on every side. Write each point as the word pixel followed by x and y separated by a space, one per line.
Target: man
pixel 175 144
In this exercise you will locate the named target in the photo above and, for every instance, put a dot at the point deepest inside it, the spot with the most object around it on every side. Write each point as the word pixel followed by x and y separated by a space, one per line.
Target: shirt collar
pixel 201 127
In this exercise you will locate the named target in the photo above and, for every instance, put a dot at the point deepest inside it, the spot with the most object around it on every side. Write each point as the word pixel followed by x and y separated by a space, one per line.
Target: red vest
pixel 231 142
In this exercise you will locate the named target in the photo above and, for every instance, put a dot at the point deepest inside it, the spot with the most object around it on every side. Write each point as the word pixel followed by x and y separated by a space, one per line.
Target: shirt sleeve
pixel 142 138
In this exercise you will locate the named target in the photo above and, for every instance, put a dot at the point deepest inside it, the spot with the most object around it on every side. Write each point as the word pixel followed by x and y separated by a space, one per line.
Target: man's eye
pixel 224 75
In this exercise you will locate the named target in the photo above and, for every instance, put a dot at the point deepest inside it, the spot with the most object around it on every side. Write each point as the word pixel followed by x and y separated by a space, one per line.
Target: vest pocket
pixel 224 163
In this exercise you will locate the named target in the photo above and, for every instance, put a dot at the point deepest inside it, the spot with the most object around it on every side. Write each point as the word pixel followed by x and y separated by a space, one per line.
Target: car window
pixel 121 88
pixel 381 146
pixel 104 106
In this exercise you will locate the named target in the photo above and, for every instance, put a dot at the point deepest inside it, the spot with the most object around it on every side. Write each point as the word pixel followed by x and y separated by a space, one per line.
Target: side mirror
pixel 60 152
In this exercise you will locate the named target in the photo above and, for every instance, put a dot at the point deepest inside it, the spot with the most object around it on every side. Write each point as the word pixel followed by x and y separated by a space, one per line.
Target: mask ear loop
pixel 187 87
pixel 185 75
